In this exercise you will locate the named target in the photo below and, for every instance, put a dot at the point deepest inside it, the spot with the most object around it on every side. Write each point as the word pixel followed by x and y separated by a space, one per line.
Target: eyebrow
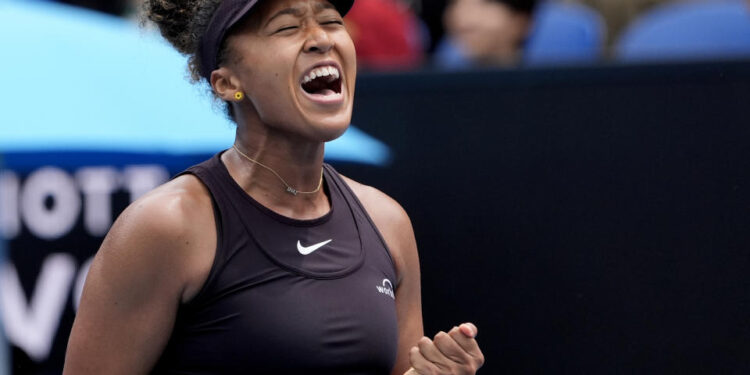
pixel 323 6
pixel 299 11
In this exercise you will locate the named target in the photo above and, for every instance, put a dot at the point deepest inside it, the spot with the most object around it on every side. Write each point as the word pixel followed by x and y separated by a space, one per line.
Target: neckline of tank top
pixel 275 215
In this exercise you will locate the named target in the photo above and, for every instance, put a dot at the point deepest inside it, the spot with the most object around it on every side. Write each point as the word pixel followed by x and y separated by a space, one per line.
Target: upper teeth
pixel 322 72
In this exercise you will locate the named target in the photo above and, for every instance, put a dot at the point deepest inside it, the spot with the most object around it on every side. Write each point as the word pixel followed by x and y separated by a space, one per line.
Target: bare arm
pixel 152 259
pixel 454 352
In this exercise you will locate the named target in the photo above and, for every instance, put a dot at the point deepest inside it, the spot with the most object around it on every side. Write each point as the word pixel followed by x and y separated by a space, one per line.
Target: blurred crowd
pixel 468 34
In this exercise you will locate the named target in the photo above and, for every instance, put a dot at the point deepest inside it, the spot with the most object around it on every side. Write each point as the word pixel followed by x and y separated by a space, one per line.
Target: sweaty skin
pixel 159 252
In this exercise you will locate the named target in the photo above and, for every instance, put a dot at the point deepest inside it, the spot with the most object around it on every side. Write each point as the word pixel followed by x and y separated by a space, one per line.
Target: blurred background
pixel 577 171
pixel 398 35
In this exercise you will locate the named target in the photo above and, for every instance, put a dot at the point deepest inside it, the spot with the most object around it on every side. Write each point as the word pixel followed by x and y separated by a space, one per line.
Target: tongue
pixel 321 86
pixel 324 92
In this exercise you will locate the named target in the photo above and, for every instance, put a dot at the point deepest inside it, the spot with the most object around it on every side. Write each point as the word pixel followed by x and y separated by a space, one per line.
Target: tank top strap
pixel 205 172
pixel 357 207
pixel 226 228
pixel 231 204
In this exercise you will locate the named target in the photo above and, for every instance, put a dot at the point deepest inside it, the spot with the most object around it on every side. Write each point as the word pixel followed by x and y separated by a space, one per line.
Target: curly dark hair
pixel 182 23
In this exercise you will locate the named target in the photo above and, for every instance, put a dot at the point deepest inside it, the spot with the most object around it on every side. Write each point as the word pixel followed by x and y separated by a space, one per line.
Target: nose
pixel 318 40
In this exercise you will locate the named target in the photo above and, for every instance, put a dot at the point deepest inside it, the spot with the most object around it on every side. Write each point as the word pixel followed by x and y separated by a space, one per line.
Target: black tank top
pixel 288 296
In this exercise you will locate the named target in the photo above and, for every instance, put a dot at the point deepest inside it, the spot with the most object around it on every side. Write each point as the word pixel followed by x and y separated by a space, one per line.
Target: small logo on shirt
pixel 306 250
pixel 386 288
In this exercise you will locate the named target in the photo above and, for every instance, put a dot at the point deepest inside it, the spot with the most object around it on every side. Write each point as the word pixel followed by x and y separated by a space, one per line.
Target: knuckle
pixel 413 354
pixel 466 369
pixel 441 339
pixel 424 343
pixel 443 368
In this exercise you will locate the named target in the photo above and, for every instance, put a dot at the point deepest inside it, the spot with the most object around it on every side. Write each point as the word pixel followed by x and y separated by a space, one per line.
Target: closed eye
pixel 332 21
pixel 286 28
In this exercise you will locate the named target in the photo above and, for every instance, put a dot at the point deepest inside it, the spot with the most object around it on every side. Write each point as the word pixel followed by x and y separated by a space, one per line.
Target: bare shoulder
pixel 156 256
pixel 170 208
pixel 391 220
pixel 383 209
pixel 169 229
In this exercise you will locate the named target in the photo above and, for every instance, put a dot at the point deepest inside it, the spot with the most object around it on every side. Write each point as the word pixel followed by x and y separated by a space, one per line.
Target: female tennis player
pixel 263 259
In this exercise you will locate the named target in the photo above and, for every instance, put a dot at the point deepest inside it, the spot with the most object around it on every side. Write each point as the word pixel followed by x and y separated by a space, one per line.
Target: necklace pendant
pixel 291 191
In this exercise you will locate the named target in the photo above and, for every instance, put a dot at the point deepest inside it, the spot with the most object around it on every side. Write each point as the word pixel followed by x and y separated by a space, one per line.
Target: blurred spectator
pixel 696 30
pixel 485 32
pixel 565 33
pixel 493 33
pixel 619 14
pixel 386 33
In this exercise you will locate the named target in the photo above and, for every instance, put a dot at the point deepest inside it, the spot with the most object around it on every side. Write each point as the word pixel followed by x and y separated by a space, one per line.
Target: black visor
pixel 227 15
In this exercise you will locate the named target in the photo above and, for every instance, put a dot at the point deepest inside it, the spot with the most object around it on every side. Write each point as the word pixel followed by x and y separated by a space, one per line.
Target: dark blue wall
pixel 592 220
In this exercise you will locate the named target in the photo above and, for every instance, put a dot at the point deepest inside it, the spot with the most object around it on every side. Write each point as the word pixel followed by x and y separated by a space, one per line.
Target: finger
pixel 469 329
pixel 451 349
pixel 411 371
pixel 468 344
pixel 420 364
pixel 432 353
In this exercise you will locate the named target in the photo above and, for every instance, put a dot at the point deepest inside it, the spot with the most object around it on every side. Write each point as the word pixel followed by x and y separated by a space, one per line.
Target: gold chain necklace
pixel 289 189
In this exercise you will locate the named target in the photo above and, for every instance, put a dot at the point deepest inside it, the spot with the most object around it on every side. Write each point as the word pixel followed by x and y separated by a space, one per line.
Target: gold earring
pixel 239 95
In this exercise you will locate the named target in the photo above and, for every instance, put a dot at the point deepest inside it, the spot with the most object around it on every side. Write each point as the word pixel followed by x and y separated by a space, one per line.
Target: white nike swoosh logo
pixel 305 250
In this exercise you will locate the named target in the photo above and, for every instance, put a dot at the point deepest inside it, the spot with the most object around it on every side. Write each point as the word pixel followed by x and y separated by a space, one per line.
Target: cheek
pixel 348 54
pixel 345 44
pixel 352 57
pixel 272 98
pixel 267 78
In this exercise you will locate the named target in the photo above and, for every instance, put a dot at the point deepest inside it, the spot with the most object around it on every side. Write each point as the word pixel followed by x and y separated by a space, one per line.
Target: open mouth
pixel 322 80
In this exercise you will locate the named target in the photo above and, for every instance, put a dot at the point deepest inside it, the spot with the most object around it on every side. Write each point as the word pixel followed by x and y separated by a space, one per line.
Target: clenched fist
pixel 452 353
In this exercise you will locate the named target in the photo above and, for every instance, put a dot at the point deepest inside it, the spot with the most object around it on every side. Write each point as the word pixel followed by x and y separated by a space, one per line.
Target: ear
pixel 225 84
